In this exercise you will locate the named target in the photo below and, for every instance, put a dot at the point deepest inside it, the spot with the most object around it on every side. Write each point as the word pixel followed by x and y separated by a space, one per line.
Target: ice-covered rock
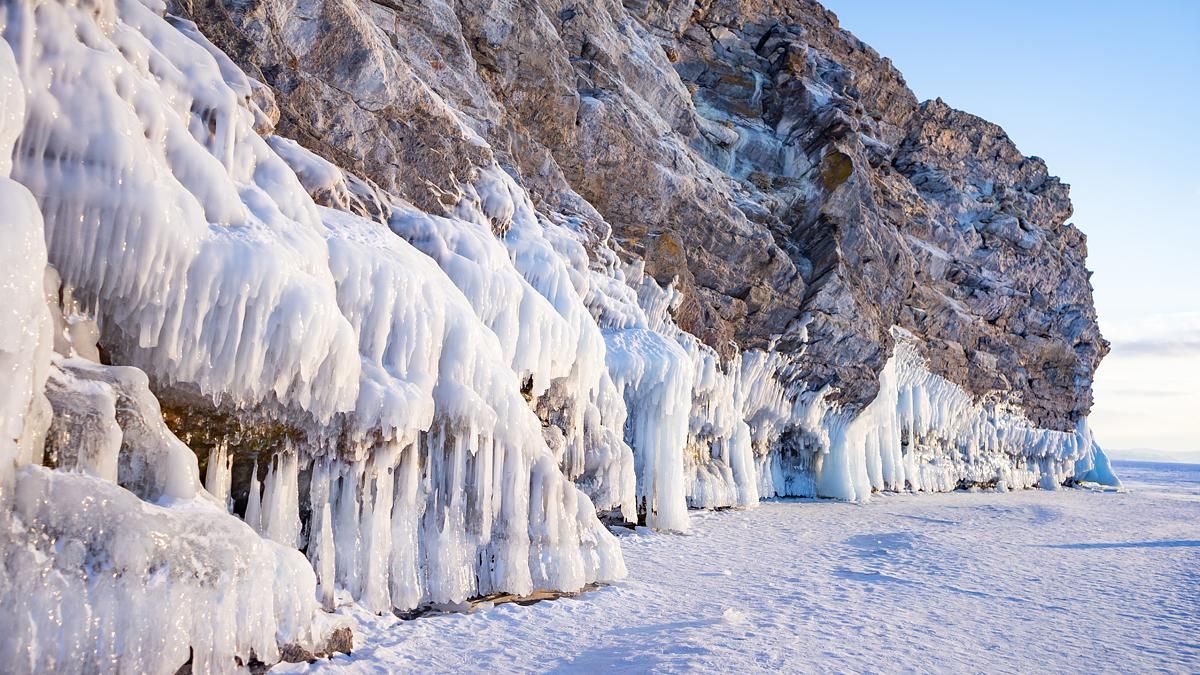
pixel 925 433
pixel 422 304
pixel 775 164
pixel 206 264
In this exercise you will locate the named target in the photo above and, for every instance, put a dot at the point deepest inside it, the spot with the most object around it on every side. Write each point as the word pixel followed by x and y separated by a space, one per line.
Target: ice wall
pixel 528 288
pixel 207 265
pixel 164 208
pixel 925 433
pixel 25 325
pixel 211 267
pixel 88 581
pixel 435 384
pixel 546 299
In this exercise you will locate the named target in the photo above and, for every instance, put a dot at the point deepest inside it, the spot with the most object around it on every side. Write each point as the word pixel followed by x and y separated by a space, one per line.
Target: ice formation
pixel 425 408
pixel 208 266
pixel 117 561
pixel 923 432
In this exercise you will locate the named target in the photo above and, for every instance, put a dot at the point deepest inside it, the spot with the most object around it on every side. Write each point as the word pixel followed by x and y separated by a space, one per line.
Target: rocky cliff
pixel 396 303
pixel 763 159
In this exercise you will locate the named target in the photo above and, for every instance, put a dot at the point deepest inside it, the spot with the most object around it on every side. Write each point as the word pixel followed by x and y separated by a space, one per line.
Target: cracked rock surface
pixel 774 166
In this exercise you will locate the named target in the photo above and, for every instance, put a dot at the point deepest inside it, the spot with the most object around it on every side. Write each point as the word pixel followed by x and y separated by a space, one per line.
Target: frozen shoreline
pixel 1064 580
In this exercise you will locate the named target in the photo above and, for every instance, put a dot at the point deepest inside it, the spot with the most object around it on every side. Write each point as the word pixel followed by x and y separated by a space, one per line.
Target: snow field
pixel 960 582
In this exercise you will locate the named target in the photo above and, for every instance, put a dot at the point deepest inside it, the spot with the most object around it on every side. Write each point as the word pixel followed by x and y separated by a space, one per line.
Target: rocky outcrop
pixel 770 163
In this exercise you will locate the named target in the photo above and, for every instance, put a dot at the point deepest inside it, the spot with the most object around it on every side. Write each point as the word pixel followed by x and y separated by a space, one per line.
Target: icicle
pixel 406 586
pixel 254 515
pixel 377 530
pixel 450 558
pixel 347 537
pixel 281 502
pixel 653 372
pixel 219 474
pixel 325 558
pixel 321 551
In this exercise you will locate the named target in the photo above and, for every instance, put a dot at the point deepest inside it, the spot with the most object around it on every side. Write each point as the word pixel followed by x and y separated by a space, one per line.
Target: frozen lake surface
pixel 967 581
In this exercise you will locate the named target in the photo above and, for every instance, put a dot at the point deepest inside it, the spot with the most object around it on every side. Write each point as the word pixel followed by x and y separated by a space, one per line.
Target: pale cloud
pixel 1172 327
pixel 1176 334
pixel 1188 346
pixel 1150 393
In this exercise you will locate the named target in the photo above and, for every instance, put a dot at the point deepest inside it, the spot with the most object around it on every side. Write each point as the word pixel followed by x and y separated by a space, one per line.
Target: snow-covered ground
pixel 1068 580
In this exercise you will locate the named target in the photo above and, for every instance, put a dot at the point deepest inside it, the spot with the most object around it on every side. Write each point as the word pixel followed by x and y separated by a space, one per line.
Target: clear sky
pixel 1108 93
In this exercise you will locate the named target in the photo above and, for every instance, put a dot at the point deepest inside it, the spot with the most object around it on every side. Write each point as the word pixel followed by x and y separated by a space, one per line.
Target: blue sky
pixel 1108 93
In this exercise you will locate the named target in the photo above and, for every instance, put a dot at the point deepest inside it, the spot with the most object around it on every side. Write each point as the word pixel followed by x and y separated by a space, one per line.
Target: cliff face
pixel 770 163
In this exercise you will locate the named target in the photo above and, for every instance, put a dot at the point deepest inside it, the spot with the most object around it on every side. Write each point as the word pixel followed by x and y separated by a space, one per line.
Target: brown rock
pixel 773 165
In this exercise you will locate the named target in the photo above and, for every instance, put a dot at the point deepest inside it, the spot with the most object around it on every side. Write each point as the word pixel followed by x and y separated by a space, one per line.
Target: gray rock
pixel 770 163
